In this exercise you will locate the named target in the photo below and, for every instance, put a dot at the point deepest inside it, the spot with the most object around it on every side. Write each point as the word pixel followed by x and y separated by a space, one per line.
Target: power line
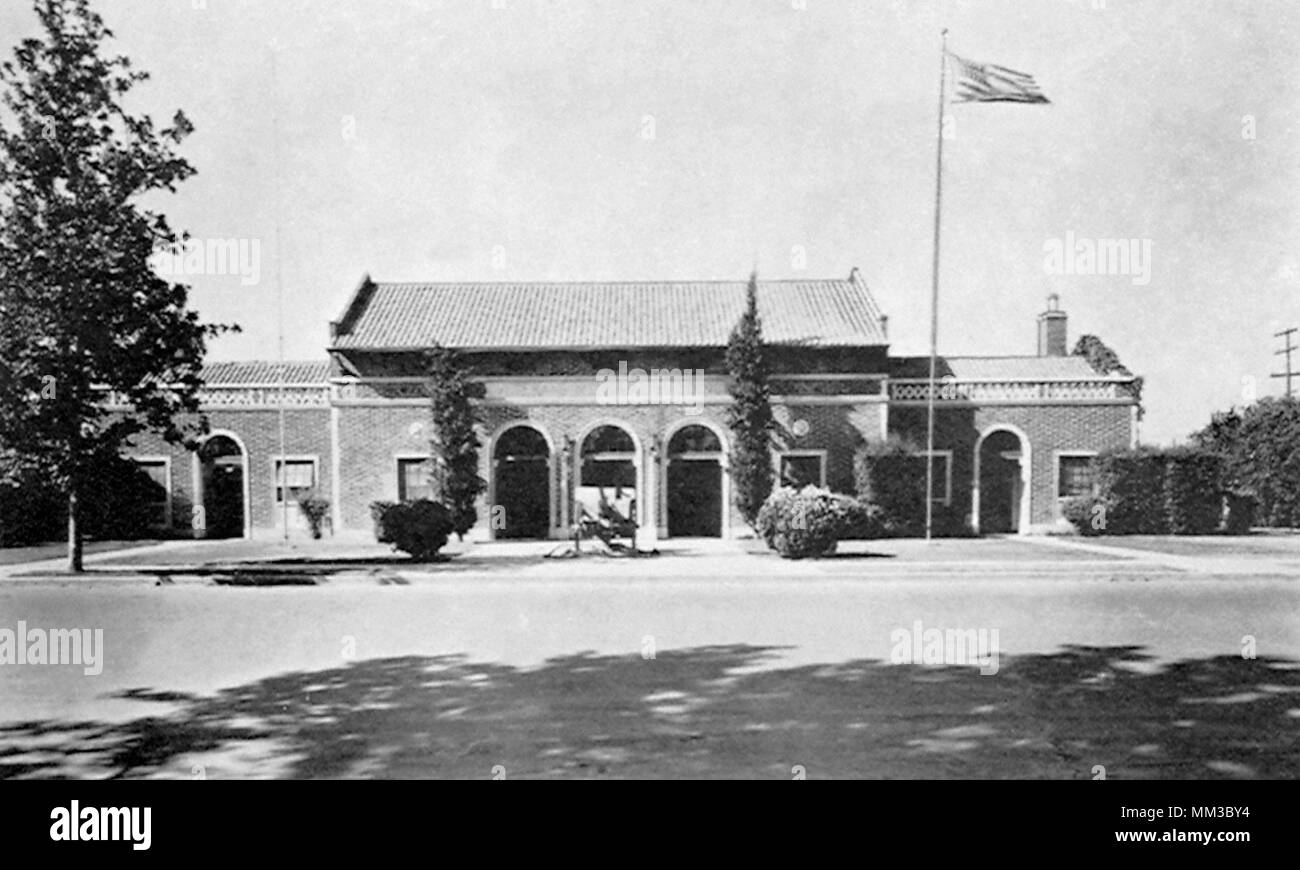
pixel 1289 349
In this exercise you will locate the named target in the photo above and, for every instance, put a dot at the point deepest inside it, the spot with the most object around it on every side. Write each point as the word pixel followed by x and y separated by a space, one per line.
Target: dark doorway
pixel 221 463
pixel 521 463
pixel 695 484
pixel 1000 483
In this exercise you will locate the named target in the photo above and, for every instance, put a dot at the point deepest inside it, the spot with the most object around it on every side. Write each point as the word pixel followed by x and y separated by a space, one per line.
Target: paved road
pixel 722 675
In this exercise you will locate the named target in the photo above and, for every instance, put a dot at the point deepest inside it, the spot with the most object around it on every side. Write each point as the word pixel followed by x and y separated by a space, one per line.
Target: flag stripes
pixel 989 83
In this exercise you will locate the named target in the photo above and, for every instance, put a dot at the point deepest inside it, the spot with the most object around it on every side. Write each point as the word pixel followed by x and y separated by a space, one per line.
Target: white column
pixel 647 533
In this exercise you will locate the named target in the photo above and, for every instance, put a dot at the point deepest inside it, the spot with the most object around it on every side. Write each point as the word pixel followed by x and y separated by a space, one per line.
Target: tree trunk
pixel 74 535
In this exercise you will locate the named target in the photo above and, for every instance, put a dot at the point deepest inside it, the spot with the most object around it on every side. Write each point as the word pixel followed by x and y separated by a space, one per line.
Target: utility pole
pixel 1289 349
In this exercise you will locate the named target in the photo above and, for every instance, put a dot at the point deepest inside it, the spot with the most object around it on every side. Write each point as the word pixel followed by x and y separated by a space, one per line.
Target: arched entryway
pixel 521 484
pixel 695 483
pixel 609 476
pixel 1000 503
pixel 222 500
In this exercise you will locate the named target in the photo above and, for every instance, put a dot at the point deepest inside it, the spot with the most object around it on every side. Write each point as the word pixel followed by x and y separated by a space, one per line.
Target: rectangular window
pixel 413 482
pixel 941 492
pixel 297 476
pixel 160 487
pixel 798 469
pixel 1074 476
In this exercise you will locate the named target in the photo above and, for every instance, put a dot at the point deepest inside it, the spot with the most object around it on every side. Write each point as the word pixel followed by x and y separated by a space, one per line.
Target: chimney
pixel 1052 340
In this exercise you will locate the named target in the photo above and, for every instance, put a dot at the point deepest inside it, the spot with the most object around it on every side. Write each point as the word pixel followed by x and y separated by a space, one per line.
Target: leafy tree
pixel 1260 449
pixel 1105 361
pixel 84 314
pixel 455 443
pixel 750 413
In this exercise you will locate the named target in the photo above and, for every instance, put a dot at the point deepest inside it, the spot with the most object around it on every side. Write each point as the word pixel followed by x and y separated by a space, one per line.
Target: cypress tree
pixel 750 413
pixel 455 443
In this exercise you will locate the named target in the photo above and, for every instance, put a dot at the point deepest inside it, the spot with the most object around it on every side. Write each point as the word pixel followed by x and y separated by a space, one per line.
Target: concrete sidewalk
pixel 60 565
pixel 1233 565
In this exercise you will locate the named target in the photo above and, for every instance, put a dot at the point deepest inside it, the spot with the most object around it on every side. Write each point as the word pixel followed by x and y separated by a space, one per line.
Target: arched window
pixel 607 475
pixel 694 439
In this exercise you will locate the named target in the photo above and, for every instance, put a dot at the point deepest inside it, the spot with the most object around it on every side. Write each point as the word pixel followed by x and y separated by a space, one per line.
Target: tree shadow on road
pixel 722 711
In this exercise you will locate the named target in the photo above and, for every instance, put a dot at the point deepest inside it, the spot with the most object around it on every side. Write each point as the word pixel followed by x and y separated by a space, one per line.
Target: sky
pixel 505 140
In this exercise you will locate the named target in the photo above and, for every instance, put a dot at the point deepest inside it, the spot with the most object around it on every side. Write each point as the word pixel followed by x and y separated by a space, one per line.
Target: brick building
pixel 601 395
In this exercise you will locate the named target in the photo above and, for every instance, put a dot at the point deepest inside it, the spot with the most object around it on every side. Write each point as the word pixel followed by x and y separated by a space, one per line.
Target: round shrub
pixel 420 528
pixel 805 523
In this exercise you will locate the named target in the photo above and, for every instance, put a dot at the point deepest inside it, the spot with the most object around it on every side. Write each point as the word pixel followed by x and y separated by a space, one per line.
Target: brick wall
pixel 258 429
pixel 1049 429
pixel 372 437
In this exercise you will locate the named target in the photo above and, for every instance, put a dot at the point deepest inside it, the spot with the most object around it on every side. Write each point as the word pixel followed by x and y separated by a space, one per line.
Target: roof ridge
pixel 627 313
pixel 1004 356
pixel 324 360
pixel 595 283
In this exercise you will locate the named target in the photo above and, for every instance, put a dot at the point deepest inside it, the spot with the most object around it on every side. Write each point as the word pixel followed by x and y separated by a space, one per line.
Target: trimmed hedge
pixel 419 528
pixel 805 523
pixel 1242 513
pixel 863 521
pixel 1193 502
pixel 1088 514
pixel 1131 486
pixel 1154 492
pixel 890 476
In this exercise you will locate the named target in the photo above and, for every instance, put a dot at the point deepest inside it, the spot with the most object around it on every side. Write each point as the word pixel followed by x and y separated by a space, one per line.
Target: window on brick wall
pixel 941 492
pixel 1074 475
pixel 159 475
pixel 800 468
pixel 296 476
pixel 413 480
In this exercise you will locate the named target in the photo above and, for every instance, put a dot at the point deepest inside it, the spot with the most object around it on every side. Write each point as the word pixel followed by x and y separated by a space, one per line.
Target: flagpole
pixel 934 295
pixel 282 465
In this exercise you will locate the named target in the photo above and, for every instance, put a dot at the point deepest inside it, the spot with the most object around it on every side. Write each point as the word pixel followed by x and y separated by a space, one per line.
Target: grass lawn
pixel 257 550
pixel 1267 545
pixel 954 550
pixel 354 557
pixel 59 550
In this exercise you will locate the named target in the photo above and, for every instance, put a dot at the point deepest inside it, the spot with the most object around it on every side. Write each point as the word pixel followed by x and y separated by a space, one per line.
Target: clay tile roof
pixel 313 373
pixel 500 316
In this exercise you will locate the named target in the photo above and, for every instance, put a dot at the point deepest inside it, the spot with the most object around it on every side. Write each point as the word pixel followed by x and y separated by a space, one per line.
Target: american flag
pixel 989 83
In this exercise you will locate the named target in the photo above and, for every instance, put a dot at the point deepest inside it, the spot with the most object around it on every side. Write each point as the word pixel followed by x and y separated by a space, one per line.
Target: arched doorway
pixel 695 483
pixel 1001 462
pixel 223 486
pixel 608 476
pixel 521 481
